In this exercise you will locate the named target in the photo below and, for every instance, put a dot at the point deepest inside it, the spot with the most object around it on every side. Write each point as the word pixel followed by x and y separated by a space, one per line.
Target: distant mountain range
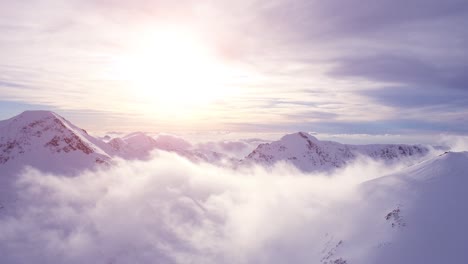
pixel 310 154
pixel 49 142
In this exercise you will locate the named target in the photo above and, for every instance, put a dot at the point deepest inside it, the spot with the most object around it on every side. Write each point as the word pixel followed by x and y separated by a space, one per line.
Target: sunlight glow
pixel 172 68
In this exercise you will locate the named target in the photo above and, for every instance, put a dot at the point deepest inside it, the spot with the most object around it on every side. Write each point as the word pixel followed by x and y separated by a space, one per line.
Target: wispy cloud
pixel 309 61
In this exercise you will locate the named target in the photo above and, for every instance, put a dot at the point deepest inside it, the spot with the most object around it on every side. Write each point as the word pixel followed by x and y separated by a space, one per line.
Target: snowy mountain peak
pixel 39 118
pixel 41 138
pixel 310 154
pixel 36 114
pixel 299 138
pixel 31 120
pixel 136 145
pixel 139 139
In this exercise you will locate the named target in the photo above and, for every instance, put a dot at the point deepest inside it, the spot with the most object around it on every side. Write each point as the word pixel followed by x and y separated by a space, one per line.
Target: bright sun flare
pixel 172 67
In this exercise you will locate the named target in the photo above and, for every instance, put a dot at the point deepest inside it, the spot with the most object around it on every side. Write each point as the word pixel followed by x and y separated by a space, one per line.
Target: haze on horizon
pixel 334 67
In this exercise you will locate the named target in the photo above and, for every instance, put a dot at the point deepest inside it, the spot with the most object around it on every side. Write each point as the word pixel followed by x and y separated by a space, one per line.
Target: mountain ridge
pixel 49 142
pixel 309 154
pixel 35 131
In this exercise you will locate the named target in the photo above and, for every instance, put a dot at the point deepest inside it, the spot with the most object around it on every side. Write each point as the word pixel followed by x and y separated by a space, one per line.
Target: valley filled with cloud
pixel 170 210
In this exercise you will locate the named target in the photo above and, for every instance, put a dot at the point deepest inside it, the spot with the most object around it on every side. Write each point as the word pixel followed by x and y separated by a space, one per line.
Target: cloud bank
pixel 169 210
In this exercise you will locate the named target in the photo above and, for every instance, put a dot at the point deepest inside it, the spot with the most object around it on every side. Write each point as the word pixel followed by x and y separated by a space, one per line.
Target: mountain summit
pixel 310 154
pixel 49 142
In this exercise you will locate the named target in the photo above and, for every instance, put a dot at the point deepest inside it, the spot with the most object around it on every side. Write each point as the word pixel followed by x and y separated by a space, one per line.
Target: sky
pixel 337 67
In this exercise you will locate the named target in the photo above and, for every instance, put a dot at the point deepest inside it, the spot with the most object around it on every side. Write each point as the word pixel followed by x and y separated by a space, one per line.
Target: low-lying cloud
pixel 455 143
pixel 169 210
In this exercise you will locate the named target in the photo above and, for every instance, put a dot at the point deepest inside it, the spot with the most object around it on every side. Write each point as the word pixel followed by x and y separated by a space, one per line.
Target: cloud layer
pixel 169 210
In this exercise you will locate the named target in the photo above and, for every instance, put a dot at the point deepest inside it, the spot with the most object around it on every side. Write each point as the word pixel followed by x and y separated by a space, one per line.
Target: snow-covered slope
pixel 310 154
pixel 48 142
pixel 418 215
pixel 137 145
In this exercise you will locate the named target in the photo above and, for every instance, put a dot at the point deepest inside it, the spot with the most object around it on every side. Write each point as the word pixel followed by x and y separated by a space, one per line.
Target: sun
pixel 172 67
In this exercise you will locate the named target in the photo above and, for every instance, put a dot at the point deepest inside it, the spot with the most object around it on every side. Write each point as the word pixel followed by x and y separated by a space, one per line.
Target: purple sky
pixel 352 67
